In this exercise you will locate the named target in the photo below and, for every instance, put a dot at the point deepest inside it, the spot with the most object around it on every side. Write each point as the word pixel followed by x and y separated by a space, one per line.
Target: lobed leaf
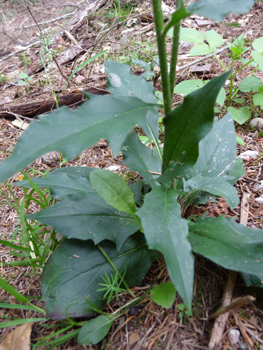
pixel 63 182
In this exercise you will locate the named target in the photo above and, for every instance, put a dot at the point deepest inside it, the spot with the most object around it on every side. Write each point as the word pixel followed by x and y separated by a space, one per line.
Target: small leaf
pixel 216 186
pixel 258 57
pixel 201 49
pixel 214 39
pixel 114 190
pixel 166 231
pixel 258 100
pixel 250 83
pixel 95 330
pixel 140 158
pixel 258 45
pixel 218 9
pixel 164 294
pixel 74 270
pixel 191 35
pixel 188 86
pixel 240 141
pixel 240 115
pixel 179 14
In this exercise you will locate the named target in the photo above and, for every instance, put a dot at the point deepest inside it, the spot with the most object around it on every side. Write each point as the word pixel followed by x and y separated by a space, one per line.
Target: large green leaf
pixel 88 216
pixel 114 190
pixel 63 182
pixel 74 271
pixel 70 132
pixel 216 186
pixel 166 231
pixel 217 150
pixel 229 244
pixel 186 125
pixel 140 158
pixel 218 9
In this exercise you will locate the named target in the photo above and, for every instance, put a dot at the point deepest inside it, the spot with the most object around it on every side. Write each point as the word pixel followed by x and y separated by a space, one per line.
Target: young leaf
pixel 74 270
pixel 238 46
pixel 166 231
pixel 70 133
pixel 258 100
pixel 95 330
pixel 250 83
pixel 179 14
pixel 63 182
pixel 216 186
pixel 218 9
pixel 214 39
pixel 229 244
pixel 240 115
pixel 88 216
pixel 258 45
pixel 192 120
pixel 164 294
pixel 188 86
pixel 114 190
pixel 191 35
pixel 140 158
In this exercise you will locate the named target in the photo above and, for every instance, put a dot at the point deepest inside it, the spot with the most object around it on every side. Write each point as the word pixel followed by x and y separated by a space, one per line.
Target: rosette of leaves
pixel 97 209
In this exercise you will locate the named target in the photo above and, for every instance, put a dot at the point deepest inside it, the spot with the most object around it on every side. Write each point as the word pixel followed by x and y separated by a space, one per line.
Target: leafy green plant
pixel 24 79
pixel 110 225
pixel 26 61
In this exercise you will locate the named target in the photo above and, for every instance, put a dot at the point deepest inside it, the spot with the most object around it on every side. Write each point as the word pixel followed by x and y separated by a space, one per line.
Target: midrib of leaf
pixel 188 124
pixel 94 268
pixel 171 238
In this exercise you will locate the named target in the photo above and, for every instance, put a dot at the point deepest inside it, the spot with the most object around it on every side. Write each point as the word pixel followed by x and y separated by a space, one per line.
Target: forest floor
pixel 126 30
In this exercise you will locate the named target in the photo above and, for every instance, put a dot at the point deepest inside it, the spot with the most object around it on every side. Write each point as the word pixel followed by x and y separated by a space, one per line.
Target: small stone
pixel 233 336
pixel 114 168
pixel 249 155
pixel 257 122
pixel 51 158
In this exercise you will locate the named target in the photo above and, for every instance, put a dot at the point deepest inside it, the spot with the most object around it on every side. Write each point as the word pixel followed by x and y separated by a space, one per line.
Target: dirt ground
pixel 129 34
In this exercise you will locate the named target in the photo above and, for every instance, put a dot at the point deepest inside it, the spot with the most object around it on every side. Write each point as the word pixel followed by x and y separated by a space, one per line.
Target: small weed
pixel 26 61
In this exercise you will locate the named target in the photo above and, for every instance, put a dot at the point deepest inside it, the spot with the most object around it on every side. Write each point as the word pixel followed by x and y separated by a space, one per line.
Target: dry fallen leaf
pixel 18 339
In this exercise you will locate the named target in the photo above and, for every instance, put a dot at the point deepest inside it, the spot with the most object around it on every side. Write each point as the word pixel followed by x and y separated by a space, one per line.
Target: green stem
pixel 244 65
pixel 219 61
pixel 115 269
pixel 231 85
pixel 159 25
pixel 174 56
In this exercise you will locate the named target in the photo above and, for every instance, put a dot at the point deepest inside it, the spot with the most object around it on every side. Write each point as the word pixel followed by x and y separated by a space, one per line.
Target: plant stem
pixel 231 85
pixel 159 25
pixel 219 61
pixel 174 56
pixel 115 269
